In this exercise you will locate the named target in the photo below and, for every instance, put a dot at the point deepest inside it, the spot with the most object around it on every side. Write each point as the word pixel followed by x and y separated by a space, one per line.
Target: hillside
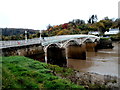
pixel 16 31
pixel 76 26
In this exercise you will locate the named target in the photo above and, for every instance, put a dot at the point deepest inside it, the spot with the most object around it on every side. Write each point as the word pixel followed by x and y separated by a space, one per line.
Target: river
pixel 104 62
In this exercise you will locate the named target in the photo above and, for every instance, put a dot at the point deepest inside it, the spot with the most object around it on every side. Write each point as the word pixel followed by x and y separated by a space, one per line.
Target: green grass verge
pixel 23 72
pixel 117 36
pixel 104 38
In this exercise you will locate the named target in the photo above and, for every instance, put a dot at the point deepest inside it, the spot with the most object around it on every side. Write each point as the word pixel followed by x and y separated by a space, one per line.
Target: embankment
pixel 22 72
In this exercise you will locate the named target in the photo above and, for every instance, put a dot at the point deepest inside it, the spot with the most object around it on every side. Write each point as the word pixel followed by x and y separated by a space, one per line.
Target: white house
pixel 112 31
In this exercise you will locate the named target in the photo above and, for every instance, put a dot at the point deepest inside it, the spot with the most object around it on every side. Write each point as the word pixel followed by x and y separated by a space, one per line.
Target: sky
pixel 38 14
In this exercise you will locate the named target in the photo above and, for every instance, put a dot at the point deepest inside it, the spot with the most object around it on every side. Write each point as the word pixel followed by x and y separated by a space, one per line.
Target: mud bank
pixel 92 80
pixel 105 43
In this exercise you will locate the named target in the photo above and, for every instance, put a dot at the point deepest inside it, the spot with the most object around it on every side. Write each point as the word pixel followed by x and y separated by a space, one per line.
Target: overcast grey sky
pixel 37 14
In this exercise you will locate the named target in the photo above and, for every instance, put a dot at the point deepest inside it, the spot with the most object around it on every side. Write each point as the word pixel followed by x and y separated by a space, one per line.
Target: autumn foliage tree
pixel 76 26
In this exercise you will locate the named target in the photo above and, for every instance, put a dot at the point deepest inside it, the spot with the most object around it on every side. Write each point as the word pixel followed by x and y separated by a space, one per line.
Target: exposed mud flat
pixel 104 62
pixel 93 80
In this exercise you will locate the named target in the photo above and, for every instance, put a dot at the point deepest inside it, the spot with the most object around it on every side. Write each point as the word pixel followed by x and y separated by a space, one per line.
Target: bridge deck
pixel 45 41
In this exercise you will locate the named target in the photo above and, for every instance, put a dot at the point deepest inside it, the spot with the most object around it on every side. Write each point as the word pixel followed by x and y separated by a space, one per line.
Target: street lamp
pixel 40 35
pixel 88 34
pixel 25 36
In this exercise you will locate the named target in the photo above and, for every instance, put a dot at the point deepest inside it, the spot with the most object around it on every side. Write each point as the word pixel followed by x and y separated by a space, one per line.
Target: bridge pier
pixel 56 55
pixel 91 47
pixel 76 52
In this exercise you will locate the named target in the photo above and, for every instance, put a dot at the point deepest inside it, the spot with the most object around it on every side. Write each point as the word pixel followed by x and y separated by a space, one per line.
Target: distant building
pixel 94 32
pixel 112 31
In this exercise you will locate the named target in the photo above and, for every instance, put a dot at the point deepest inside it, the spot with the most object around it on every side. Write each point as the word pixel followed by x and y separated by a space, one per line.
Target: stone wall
pixel 23 50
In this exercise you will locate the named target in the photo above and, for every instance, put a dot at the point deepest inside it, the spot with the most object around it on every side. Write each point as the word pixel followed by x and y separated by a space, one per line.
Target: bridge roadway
pixel 44 42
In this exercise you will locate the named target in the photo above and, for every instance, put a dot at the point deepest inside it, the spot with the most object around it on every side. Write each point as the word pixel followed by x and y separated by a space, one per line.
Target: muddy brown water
pixel 104 62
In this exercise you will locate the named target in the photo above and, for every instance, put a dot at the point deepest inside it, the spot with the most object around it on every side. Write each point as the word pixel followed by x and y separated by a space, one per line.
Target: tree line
pixel 76 26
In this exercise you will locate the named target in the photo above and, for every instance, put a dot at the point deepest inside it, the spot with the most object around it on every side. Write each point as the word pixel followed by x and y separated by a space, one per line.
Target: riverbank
pixel 94 80
pixel 87 79
pixel 22 72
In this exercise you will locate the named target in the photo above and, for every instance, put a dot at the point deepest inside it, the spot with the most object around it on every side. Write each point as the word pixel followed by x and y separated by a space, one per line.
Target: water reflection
pixel 104 62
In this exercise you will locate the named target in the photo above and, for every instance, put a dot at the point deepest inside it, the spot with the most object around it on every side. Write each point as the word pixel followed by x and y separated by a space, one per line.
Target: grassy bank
pixel 22 72
pixel 115 37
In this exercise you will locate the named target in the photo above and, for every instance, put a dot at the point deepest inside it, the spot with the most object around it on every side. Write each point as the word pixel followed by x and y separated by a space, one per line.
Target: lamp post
pixel 40 35
pixel 88 34
pixel 25 36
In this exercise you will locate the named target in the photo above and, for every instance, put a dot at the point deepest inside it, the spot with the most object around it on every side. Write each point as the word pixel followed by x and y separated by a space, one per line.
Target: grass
pixel 117 36
pixel 104 38
pixel 23 72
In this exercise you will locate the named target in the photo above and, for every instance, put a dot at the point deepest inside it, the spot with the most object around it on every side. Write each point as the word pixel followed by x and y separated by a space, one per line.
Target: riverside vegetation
pixel 76 26
pixel 23 72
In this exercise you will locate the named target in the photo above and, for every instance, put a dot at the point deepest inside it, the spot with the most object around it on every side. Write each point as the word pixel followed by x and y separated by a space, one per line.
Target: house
pixel 112 31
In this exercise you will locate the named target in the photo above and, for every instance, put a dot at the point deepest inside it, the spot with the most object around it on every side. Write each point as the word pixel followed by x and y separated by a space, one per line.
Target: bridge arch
pixel 70 42
pixel 96 40
pixel 74 50
pixel 88 40
pixel 55 55
pixel 91 44
pixel 51 45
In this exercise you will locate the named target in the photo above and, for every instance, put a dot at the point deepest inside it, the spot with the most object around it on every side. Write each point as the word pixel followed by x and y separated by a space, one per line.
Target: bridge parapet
pixel 46 41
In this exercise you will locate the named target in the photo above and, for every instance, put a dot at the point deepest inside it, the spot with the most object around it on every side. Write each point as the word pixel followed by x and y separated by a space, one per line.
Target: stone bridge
pixel 55 50
pixel 75 48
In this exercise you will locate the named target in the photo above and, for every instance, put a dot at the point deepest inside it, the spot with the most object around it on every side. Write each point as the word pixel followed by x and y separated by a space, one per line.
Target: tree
pixel 92 19
pixel 65 26
pixel 13 37
pixel 38 34
pixel 44 34
pixel 101 27
pixel 79 22
pixel 49 26
pixel 107 23
pixel 117 23
pixel 64 32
